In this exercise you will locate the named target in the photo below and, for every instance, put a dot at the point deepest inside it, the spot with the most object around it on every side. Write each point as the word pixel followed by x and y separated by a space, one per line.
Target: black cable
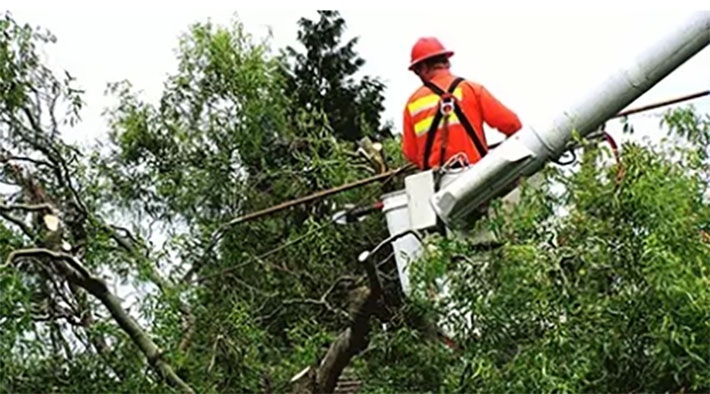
pixel 572 159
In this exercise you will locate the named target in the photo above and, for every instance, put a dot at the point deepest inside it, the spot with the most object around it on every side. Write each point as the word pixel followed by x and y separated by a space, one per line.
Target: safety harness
pixel 447 105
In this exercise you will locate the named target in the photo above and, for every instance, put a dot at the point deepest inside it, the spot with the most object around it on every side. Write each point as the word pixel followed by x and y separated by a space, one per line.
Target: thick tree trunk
pixel 349 343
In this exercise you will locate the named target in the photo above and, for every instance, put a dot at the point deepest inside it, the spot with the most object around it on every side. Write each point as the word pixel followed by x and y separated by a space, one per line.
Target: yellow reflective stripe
pixel 430 101
pixel 423 125
pixel 422 104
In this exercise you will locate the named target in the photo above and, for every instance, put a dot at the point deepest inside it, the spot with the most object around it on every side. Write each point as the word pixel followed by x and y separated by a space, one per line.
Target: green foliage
pixel 219 111
pixel 323 78
pixel 688 124
pixel 601 288
pixel 226 140
pixel 403 360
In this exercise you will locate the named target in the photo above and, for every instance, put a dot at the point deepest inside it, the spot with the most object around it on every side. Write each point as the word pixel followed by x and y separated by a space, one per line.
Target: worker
pixel 444 117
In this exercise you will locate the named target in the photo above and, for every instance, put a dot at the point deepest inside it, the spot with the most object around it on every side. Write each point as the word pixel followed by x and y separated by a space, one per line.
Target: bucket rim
pixel 393 194
pixel 394 201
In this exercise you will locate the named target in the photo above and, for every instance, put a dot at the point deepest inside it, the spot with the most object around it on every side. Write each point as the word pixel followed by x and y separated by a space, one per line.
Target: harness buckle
pixel 447 104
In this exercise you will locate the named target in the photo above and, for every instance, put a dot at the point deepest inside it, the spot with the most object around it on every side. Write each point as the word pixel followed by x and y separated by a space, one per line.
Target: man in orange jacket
pixel 445 116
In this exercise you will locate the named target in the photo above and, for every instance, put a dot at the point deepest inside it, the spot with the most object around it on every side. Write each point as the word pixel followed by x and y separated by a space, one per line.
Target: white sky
pixel 532 58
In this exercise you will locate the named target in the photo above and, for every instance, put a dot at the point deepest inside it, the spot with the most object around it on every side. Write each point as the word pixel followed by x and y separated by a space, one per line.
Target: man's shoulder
pixel 418 93
pixel 422 90
pixel 473 85
pixel 464 82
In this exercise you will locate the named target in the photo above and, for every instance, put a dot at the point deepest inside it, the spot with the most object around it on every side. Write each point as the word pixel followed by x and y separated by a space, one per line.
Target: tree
pixel 323 78
pixel 237 303
pixel 600 287
pixel 225 140
pixel 56 240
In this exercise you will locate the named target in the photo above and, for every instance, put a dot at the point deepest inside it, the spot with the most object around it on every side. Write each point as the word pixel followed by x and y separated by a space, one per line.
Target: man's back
pixel 477 105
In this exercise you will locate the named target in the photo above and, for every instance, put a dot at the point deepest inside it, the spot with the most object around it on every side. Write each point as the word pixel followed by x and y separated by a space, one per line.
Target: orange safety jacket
pixel 469 105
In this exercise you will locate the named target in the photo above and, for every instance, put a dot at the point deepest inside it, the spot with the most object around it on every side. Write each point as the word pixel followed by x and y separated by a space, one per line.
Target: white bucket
pixel 407 248
pixel 397 206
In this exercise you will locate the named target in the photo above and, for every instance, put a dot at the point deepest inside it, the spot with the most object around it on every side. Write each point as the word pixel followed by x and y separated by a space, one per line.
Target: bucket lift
pixel 410 211
pixel 418 206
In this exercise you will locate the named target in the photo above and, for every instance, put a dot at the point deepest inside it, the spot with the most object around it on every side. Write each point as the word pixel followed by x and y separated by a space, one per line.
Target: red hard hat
pixel 425 48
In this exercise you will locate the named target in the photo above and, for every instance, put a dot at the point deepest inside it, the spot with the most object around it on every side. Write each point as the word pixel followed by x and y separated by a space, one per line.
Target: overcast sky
pixel 533 59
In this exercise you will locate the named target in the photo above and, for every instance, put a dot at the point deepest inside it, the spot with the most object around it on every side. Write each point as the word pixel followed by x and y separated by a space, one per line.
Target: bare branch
pixel 187 326
pixel 34 123
pixel 214 353
pixel 27 207
pixel 37 104
pixel 63 315
pixel 52 117
pixel 59 289
pixel 122 240
pixel 19 223
pixel 322 303
pixel 49 149
pixel 335 284
pixel 40 252
pixel 27 159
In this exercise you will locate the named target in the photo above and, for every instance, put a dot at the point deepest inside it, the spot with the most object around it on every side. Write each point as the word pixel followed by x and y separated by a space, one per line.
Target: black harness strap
pixel 444 141
pixel 437 120
pixel 470 130
pixel 430 138
pixel 437 90
pixel 431 134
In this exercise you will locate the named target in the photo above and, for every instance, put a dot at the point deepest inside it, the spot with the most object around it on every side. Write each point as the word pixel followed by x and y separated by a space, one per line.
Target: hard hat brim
pixel 429 56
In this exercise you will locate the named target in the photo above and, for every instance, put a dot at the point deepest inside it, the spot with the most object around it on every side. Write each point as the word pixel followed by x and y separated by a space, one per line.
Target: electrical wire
pixel 308 234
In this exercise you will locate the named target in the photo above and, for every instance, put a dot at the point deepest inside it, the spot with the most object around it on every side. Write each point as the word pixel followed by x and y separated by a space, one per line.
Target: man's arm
pixel 496 114
pixel 409 140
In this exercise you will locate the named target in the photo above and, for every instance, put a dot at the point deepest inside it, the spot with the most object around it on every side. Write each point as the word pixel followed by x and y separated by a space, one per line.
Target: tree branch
pixel 322 303
pixel 98 289
pixel 349 343
pixel 323 300
pixel 188 319
pixel 27 159
pixel 40 252
pixel 19 223
pixel 52 105
pixel 27 207
pixel 49 150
